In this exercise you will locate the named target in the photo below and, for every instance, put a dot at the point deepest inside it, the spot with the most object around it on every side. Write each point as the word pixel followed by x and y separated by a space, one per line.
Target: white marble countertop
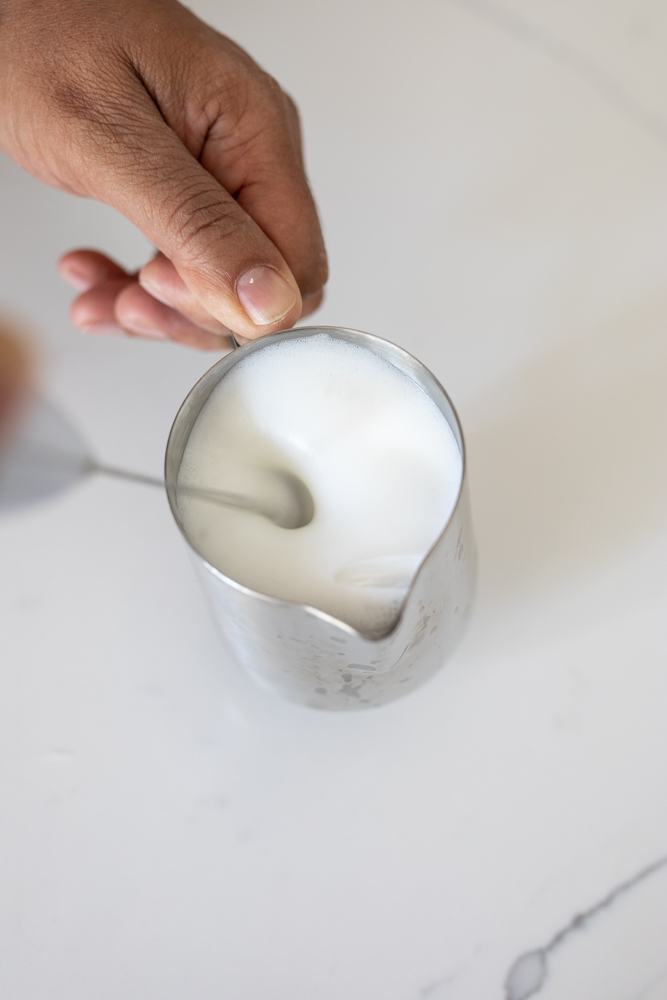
pixel 493 185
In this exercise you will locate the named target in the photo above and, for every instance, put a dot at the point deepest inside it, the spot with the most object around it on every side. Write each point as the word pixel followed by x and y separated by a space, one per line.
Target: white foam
pixel 379 458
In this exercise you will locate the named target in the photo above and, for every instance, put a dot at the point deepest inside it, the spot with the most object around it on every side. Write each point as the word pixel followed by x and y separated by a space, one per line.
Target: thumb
pixel 222 255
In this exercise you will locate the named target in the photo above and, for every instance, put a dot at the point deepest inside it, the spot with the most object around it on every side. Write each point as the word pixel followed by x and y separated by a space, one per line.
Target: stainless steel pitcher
pixel 307 655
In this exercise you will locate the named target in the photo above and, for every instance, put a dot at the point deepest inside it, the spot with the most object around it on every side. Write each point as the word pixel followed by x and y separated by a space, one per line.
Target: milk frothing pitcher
pixel 307 655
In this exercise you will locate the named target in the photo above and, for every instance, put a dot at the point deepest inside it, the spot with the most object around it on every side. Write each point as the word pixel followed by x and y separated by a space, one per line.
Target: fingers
pixel 279 199
pixel 160 306
pixel 233 269
pixel 223 194
pixel 100 280
pixel 141 314
pixel 94 311
pixel 202 151
pixel 112 302
pixel 85 268
pixel 145 108
pixel 260 160
pixel 161 279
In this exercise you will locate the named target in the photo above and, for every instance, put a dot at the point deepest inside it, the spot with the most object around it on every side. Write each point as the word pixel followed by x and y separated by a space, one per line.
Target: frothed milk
pixel 377 455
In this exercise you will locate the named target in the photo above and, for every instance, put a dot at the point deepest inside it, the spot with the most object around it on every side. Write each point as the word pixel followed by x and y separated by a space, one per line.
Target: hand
pixel 139 104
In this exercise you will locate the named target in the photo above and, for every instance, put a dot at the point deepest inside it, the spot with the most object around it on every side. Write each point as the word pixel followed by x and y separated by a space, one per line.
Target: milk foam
pixel 377 455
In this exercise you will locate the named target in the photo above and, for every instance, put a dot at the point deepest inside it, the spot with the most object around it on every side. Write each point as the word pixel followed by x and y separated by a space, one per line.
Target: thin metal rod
pixel 237 500
pixel 294 514
pixel 134 477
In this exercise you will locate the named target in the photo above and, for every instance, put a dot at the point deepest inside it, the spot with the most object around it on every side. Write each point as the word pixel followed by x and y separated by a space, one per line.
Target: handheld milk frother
pixel 282 497
pixel 48 455
pixel 303 653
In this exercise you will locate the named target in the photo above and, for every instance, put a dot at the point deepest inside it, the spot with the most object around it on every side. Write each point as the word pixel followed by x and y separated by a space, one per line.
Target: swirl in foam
pixel 377 455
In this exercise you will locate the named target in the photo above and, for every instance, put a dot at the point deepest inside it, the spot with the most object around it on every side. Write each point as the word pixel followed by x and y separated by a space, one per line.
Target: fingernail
pixel 265 295
pixel 79 279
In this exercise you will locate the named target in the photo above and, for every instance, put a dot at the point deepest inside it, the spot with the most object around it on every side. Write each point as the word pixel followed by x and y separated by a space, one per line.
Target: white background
pixel 493 187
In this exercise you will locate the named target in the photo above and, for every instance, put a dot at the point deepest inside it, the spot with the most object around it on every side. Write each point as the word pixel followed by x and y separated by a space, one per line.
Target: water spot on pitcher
pixel 433 630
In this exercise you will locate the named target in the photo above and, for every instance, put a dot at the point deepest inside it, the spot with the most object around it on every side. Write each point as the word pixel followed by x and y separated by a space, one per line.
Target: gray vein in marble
pixel 430 989
pixel 433 989
pixel 528 974
pixel 577 62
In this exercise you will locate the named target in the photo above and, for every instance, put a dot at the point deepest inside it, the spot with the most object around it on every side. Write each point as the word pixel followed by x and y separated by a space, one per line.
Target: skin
pixel 139 104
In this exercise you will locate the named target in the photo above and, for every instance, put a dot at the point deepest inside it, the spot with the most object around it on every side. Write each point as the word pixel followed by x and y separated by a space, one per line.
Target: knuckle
pixel 243 109
pixel 263 101
pixel 271 87
pixel 201 217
